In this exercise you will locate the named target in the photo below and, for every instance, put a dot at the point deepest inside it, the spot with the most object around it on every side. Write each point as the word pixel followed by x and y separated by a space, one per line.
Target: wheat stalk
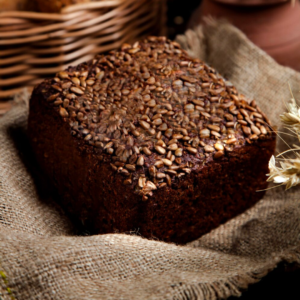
pixel 288 171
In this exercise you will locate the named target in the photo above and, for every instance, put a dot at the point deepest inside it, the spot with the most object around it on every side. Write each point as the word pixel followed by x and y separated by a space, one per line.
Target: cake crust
pixel 147 139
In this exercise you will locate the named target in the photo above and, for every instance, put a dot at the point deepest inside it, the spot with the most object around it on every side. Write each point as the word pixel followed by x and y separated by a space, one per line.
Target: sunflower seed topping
pixel 153 113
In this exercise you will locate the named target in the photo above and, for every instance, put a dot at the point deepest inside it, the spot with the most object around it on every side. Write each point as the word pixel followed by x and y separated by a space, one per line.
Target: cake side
pixel 150 140
pixel 210 196
pixel 90 192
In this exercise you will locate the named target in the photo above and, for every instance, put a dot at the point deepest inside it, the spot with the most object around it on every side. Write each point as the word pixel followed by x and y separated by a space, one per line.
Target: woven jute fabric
pixel 41 257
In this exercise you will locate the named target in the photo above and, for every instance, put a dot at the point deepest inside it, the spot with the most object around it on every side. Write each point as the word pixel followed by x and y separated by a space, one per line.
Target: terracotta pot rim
pixel 251 3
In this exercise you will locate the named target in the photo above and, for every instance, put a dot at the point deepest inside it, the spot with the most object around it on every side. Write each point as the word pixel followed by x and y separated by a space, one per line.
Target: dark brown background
pixel 179 12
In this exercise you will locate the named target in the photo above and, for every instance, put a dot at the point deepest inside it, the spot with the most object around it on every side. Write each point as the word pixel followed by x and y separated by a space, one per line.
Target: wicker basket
pixel 37 45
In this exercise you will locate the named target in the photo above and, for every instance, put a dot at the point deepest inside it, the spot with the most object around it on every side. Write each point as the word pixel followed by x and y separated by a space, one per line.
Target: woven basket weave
pixel 36 45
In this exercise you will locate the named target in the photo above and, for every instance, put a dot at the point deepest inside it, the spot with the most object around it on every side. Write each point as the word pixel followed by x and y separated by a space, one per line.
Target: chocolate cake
pixel 149 140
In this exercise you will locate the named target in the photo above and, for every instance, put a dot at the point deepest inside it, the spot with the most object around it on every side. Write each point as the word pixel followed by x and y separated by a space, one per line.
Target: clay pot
pixel 250 2
pixel 275 28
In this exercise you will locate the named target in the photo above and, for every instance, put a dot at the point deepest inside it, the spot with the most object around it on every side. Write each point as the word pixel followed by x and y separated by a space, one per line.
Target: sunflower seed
pixel 166 162
pixel 219 146
pixel 173 147
pixel 253 137
pixel 162 185
pixel 177 136
pixel 76 90
pixel 151 80
pixel 147 151
pixel 157 122
pixel 90 82
pixel 255 130
pixel 243 122
pixel 63 112
pixel 110 150
pixel 208 148
pixel 108 145
pixel 150 185
pixel 171 172
pixel 160 149
pixel 130 167
pixel 140 161
pixel 114 167
pixel 169 155
pixel 75 80
pixel 88 137
pixel 177 83
pixel 63 75
pixel 218 154
pixel 159 164
pixel 160 175
pixel 263 130
pixel 192 150
pixel 231 141
pixel 163 127
pixel 205 133
pixel 214 127
pixel 169 180
pixel 52 97
pixel 189 107
pixel 144 124
pixel 152 171
pixel 186 170
pixel 141 182
pixel 151 103
pixel 100 75
pixel 246 130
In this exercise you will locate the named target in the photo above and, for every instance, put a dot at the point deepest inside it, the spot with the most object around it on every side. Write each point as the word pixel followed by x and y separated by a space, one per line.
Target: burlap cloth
pixel 41 257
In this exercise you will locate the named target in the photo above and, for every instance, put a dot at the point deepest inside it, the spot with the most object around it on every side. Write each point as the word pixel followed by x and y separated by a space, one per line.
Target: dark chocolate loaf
pixel 147 139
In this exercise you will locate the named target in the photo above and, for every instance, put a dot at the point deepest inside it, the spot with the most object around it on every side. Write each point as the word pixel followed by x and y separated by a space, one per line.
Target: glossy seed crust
pixel 154 113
